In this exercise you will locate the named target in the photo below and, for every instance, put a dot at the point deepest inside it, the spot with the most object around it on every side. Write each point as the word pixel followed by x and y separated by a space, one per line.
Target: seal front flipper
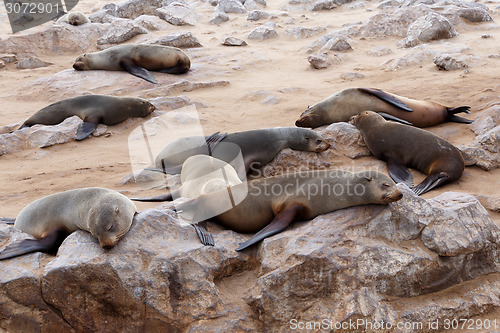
pixel 48 244
pixel 278 224
pixel 86 128
pixel 399 172
pixel 430 182
pixel 205 237
pixel 386 98
pixel 394 118
pixel 158 198
pixel 457 119
pixel 213 140
pixel 137 70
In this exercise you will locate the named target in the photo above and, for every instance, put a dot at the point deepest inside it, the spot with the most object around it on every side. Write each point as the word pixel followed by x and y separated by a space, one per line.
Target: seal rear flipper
pixel 386 98
pixel 85 129
pixel 205 236
pixel 48 244
pixel 278 224
pixel 394 118
pixel 137 70
pixel 457 119
pixel 430 182
pixel 399 172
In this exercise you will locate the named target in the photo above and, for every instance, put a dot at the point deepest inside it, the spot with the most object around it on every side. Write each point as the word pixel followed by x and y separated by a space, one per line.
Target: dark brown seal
pixel 93 109
pixel 344 104
pixel 271 204
pixel 137 59
pixel 403 146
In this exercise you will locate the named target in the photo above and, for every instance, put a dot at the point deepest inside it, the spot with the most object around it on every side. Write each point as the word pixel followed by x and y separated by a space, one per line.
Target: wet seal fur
pixel 403 146
pixel 93 109
pixel 105 213
pixel 344 104
pixel 137 59
pixel 258 147
pixel 270 212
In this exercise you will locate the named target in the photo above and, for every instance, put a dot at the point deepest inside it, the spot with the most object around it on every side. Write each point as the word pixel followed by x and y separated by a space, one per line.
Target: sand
pixel 277 67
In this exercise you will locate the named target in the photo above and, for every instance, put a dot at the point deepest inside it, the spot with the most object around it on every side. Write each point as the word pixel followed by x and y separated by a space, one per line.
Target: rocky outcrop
pixel 179 39
pixel 120 31
pixel 372 263
pixel 428 28
pixel 178 13
pixel 485 150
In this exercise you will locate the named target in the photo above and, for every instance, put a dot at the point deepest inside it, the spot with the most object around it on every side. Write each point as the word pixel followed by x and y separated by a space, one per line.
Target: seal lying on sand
pixel 274 203
pixel 137 59
pixel 403 146
pixel 106 214
pixel 344 104
pixel 258 147
pixel 93 109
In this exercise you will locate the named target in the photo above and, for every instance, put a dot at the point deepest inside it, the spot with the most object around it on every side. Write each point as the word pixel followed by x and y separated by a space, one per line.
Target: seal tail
pixel 48 244
pixel 457 119
pixel 7 220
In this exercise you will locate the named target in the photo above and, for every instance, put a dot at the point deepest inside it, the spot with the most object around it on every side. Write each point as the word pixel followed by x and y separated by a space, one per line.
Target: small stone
pixel 256 15
pixel 231 6
pixel 320 60
pixel 218 17
pixel 351 76
pixel 380 51
pixel 264 32
pixel 30 62
pixel 233 41
pixel 8 58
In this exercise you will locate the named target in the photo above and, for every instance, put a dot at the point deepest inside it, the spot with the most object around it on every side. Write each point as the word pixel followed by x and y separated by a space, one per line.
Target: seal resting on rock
pixel 271 204
pixel 105 213
pixel 344 104
pixel 403 146
pixel 93 109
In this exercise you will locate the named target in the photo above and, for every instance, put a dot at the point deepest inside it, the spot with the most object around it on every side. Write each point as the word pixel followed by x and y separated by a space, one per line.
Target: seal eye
pixel 111 227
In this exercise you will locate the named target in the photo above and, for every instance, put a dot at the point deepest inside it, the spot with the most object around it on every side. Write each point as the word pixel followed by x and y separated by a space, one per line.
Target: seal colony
pixel 106 214
pixel 137 59
pixel 403 146
pixel 93 110
pixel 344 104
pixel 266 212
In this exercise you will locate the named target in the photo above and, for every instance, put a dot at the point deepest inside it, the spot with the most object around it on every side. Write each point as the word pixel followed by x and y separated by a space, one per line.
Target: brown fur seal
pixel 93 109
pixel 344 104
pixel 403 146
pixel 274 203
pixel 106 214
pixel 200 174
pixel 137 59
pixel 74 18
pixel 258 147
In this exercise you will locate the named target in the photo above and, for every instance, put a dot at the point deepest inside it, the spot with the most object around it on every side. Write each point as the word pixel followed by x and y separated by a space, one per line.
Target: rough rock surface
pixel 449 62
pixel 428 28
pixel 487 120
pixel 30 62
pixel 231 6
pixel 233 41
pixel 320 60
pixel 300 32
pixel 263 32
pixel 218 17
pixel 120 31
pixel 485 150
pixel 178 13
pixel 179 39
pixel 364 262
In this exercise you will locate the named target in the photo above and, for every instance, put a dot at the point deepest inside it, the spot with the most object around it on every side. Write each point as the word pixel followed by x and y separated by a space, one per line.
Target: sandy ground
pixel 278 66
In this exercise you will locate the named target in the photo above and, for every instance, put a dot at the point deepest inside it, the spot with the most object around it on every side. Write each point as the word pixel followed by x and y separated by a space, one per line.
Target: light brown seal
pixel 258 147
pixel 200 174
pixel 74 18
pixel 106 214
pixel 93 109
pixel 344 104
pixel 274 203
pixel 137 59
pixel 403 146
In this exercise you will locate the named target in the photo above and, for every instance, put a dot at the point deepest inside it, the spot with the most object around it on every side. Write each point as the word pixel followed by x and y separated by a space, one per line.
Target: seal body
pixel 93 109
pixel 105 213
pixel 344 104
pixel 271 204
pixel 403 146
pixel 137 59
pixel 257 147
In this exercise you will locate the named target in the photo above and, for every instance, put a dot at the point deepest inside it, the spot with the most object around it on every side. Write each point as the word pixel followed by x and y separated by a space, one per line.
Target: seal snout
pixel 393 196
pixel 79 66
